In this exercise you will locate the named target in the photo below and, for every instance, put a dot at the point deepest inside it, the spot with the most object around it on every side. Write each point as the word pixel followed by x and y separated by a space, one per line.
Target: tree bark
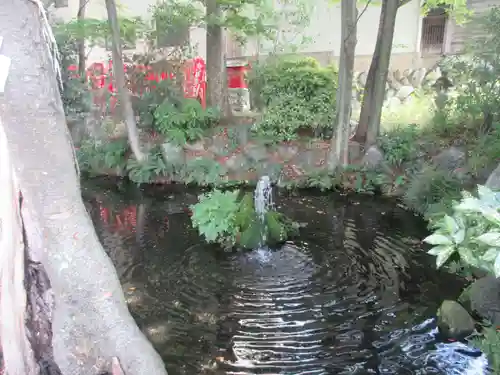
pixel 368 128
pixel 344 91
pixel 82 56
pixel 91 322
pixel 217 92
pixel 125 103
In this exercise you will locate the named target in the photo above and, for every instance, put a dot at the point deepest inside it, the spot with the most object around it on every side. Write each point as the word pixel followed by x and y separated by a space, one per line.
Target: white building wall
pixel 323 33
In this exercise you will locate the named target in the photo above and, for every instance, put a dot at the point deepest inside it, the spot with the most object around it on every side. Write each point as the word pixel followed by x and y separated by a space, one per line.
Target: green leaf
pixel 444 255
pixel 496 266
pixel 490 239
pixel 438 239
pixel 469 204
pixel 491 254
pixel 436 250
pixel 486 194
pixel 459 236
pixel 467 256
pixel 450 224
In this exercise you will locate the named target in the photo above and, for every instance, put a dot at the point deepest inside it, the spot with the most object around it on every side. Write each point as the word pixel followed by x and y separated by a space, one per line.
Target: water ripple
pixel 356 295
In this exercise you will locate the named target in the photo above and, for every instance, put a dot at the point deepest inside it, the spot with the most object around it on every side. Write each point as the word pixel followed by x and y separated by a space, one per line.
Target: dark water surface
pixel 356 294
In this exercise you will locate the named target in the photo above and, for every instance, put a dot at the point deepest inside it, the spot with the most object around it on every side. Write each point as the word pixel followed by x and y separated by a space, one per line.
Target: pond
pixel 355 295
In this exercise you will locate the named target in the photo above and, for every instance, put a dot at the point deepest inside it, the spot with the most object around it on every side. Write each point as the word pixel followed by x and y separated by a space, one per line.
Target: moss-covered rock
pixel 454 321
pixel 482 297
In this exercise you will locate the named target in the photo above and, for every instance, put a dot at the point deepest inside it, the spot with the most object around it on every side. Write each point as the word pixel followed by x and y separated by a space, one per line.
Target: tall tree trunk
pixel 82 57
pixel 340 143
pixel 125 103
pixel 91 322
pixel 374 93
pixel 217 92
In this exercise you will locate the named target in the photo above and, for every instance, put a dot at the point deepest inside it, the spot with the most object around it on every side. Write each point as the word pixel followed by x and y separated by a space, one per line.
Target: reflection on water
pixel 356 294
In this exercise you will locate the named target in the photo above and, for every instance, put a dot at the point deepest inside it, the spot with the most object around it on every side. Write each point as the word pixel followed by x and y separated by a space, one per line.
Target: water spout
pixel 263 201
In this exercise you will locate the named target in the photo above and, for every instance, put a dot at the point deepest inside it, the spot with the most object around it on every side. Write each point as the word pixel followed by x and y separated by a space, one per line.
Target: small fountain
pixel 263 197
pixel 263 201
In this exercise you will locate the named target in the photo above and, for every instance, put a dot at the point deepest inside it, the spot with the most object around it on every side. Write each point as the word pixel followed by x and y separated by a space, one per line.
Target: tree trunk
pixel 82 57
pixel 91 322
pixel 344 91
pixel 125 103
pixel 374 93
pixel 217 92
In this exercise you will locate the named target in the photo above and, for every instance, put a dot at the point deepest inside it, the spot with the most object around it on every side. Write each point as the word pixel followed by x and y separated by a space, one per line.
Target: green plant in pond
pixel 215 216
pixel 472 232
pixel 185 122
pixel 229 219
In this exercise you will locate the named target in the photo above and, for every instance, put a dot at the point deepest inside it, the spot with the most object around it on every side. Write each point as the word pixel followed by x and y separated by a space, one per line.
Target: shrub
pixel 472 231
pixel 184 122
pixel 475 76
pixel 94 156
pixel 146 171
pixel 431 190
pixel 484 150
pixel 400 144
pixel 146 104
pixel 293 93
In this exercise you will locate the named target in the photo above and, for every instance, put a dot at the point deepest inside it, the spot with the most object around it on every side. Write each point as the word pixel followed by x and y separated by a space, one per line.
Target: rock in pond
pixel 482 297
pixel 454 321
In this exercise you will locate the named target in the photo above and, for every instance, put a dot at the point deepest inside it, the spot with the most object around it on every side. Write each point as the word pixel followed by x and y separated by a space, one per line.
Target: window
pixel 433 32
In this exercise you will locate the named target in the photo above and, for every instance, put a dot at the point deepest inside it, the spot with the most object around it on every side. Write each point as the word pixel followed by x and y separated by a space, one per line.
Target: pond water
pixel 355 295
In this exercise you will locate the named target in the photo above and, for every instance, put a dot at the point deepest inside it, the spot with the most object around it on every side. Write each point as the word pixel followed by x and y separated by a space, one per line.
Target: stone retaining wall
pixel 400 85
pixel 244 158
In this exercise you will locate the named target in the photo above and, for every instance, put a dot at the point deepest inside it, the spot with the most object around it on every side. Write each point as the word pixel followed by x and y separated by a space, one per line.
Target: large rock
pixel 451 160
pixel 374 160
pixel 493 181
pixel 454 321
pixel 482 297
pixel 404 92
pixel 173 154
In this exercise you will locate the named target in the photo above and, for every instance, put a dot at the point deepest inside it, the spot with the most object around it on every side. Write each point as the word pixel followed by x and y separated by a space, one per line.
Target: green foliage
pixel 75 95
pixel 229 219
pixel 146 105
pixel 484 150
pixel 185 122
pixel 147 171
pixel 243 18
pixel 400 144
pixel 489 344
pixel 472 231
pixel 96 156
pixel 431 190
pixel 205 172
pixel 294 93
pixel 96 32
pixel 215 216
pixel 475 75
